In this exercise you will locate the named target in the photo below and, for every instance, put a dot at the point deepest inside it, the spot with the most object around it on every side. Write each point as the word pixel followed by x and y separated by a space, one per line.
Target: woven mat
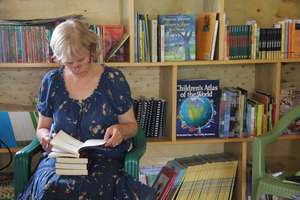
pixel 6 186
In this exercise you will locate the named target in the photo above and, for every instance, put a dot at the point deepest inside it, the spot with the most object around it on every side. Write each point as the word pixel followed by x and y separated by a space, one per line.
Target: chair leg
pixel 258 194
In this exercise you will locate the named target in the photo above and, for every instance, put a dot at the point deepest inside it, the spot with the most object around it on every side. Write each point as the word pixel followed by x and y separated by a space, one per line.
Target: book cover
pixel 112 34
pixel 197 113
pixel 164 182
pixel 179 37
pixel 117 47
pixel 206 25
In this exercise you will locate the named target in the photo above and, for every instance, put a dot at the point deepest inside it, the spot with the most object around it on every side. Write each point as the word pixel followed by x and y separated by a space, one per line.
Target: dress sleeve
pixel 120 92
pixel 44 103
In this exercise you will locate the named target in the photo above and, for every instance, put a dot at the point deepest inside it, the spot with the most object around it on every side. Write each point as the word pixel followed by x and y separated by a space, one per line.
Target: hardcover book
pixel 179 37
pixel 197 113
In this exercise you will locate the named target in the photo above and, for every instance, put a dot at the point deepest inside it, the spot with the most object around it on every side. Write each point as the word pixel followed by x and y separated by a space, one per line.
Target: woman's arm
pixel 126 128
pixel 43 131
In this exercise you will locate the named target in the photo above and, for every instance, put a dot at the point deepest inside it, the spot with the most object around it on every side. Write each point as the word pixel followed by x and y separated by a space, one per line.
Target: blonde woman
pixel 88 101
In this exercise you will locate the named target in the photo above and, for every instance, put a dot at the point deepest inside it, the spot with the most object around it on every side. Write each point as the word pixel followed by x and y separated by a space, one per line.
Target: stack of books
pixel 71 166
pixel 65 149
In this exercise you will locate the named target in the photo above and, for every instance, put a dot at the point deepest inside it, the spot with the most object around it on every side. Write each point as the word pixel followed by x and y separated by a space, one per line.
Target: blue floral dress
pixel 86 119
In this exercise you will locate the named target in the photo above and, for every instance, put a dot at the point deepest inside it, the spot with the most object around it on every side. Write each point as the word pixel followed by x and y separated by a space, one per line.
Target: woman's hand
pixel 45 141
pixel 113 136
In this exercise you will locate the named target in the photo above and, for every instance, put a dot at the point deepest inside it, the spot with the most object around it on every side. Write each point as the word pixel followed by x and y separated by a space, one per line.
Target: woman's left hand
pixel 113 136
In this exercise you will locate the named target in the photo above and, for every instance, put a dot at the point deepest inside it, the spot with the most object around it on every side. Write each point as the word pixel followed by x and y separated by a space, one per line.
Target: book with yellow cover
pixel 206 26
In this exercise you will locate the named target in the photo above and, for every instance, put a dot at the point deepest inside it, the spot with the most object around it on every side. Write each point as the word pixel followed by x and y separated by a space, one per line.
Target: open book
pixel 64 145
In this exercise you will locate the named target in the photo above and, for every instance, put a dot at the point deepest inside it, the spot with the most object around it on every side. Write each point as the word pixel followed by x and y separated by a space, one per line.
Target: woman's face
pixel 78 65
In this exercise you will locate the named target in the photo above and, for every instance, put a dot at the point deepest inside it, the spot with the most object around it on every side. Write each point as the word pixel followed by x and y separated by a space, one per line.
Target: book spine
pixel 154 40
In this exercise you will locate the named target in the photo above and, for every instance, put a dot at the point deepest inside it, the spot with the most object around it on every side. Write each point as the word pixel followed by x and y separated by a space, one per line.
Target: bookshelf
pixel 20 81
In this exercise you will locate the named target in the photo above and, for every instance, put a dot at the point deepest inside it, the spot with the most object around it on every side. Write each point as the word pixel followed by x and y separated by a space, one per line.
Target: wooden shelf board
pixel 156 64
pixel 295 60
pixel 283 137
pixel 207 140
pixel 16 107
pixel 213 140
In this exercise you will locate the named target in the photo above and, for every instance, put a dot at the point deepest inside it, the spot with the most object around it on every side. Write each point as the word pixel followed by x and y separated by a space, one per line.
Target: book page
pixel 66 143
pixel 93 142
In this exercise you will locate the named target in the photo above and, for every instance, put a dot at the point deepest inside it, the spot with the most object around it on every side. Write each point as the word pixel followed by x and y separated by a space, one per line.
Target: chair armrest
pixel 260 142
pixel 23 165
pixel 132 158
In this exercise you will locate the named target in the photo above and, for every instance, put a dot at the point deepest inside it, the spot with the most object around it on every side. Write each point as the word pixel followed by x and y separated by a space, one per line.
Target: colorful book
pixel 197 108
pixel 179 37
pixel 164 182
pixel 112 34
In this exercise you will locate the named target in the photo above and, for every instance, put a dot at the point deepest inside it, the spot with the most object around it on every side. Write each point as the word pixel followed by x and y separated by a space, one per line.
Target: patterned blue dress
pixel 86 119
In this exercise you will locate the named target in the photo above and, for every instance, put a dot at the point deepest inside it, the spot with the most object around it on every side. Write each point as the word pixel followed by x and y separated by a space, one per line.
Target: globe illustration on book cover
pixel 196 112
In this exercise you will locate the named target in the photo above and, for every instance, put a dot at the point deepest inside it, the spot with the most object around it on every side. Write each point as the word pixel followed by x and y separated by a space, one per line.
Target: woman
pixel 87 101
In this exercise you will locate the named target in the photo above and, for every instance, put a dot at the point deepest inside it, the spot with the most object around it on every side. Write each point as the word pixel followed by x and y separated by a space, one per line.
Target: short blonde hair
pixel 71 39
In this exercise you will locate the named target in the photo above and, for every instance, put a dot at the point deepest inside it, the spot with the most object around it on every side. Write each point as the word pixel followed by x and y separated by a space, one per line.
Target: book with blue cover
pixel 197 112
pixel 179 37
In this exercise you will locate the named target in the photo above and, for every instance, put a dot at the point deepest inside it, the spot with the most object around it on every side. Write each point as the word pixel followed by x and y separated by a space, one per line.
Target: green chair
pixel 263 183
pixel 23 158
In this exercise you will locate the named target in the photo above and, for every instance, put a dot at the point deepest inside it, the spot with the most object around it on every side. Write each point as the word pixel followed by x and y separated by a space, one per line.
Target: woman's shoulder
pixel 113 74
pixel 52 74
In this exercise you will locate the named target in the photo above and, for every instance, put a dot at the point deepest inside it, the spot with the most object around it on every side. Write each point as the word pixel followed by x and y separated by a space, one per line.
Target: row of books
pixel 21 44
pixel 251 42
pixel 205 110
pixel 151 116
pixel 176 37
pixel 209 176
pixel 24 41
pixel 245 116
pixel 28 41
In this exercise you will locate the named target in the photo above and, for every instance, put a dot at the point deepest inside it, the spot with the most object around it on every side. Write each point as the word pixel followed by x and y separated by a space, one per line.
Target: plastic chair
pixel 263 183
pixel 23 158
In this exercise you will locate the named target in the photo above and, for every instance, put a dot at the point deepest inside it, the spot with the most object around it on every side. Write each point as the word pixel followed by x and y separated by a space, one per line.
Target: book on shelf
pixel 64 144
pixel 111 35
pixel 179 35
pixel 112 52
pixel 150 115
pixel 207 27
pixel 197 113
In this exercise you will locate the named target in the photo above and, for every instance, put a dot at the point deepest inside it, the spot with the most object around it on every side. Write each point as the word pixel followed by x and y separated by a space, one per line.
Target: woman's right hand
pixel 45 141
